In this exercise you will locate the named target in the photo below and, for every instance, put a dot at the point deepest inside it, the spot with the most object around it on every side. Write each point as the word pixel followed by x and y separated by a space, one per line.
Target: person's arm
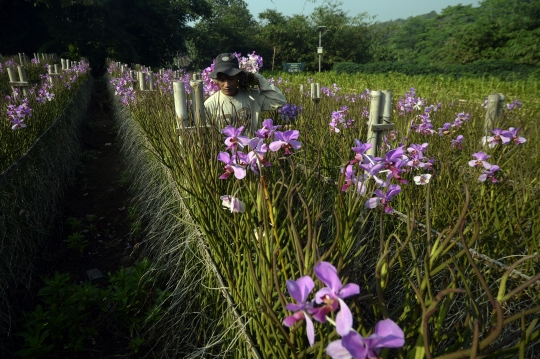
pixel 270 97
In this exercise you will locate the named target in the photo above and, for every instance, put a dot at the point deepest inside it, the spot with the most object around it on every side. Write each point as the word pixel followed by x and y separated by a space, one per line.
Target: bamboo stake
pixel 197 95
pixel 315 92
pixel 386 110
pixel 180 104
pixel 12 74
pixel 142 84
pixel 373 120
pixel 150 81
pixel 494 111
pixel 23 79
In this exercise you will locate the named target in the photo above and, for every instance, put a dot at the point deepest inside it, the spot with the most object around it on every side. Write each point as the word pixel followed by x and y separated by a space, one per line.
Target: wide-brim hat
pixel 226 64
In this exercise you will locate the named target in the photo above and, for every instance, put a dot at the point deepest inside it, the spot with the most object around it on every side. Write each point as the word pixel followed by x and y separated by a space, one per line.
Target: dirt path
pixel 95 232
pixel 96 206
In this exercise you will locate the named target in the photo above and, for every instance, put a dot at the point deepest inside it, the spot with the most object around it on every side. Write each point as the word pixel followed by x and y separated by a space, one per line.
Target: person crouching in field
pixel 235 104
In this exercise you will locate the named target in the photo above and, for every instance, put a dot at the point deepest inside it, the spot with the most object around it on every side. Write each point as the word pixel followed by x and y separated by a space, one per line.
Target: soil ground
pixel 98 198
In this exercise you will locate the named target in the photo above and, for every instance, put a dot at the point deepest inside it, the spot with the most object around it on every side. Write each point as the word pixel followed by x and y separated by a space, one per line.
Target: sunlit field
pixel 439 229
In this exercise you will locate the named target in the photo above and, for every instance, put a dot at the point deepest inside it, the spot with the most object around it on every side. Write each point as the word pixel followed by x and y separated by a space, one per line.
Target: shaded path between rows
pixel 97 207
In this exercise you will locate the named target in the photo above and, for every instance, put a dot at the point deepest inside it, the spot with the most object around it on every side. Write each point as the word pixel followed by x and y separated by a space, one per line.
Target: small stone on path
pixel 94 274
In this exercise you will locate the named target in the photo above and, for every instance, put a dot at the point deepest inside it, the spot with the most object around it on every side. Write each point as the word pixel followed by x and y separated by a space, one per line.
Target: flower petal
pixel 306 286
pixel 301 288
pixel 276 145
pixel 372 202
pixel 224 157
pixel 295 144
pixel 310 330
pixel 349 290
pixel 344 319
pixel 391 334
pixel 239 172
pixel 319 314
pixel 354 343
pixel 336 350
pixel 294 307
pixel 290 320
pixel 327 273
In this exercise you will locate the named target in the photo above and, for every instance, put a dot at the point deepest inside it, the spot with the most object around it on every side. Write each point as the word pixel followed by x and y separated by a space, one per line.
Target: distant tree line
pixel 154 31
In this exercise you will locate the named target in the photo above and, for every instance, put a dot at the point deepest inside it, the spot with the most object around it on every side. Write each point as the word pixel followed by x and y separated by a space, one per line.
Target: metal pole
pixel 373 120
pixel 320 35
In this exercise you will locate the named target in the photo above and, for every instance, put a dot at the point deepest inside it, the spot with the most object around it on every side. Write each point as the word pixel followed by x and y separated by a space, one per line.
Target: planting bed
pixel 228 268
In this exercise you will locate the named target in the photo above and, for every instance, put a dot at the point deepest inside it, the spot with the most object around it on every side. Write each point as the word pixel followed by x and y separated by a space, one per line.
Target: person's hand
pixel 249 80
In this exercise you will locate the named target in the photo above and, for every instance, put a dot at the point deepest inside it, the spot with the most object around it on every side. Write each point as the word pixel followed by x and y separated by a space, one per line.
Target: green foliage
pixel 296 215
pixel 294 38
pixel 70 315
pixel 464 34
pixel 230 28
pixel 152 33
pixel 74 223
pixel 135 221
pixel 149 31
pixel 124 180
pixel 502 69
pixel 77 241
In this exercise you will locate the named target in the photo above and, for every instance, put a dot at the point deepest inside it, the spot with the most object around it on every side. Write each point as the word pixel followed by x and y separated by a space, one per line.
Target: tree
pixel 230 28
pixel 148 32
pixel 272 37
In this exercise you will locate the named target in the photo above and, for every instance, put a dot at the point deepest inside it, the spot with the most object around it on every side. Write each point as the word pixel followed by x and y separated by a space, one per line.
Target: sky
pixel 384 10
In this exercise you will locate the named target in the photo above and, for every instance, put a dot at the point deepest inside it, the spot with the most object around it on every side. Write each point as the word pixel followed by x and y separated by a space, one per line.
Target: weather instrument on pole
pixel 320 29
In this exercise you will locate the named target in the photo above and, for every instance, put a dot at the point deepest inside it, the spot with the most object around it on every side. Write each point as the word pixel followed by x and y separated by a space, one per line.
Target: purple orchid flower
pixel 349 177
pixel 384 198
pixel 393 156
pixel 373 170
pixel 481 158
pixel 268 129
pixel 457 142
pixel 257 144
pixel 360 149
pixel 416 160
pixel 233 204
pixel 489 174
pixel 387 335
pixel 352 178
pixel 235 139
pixel 231 166
pixel 285 140
pixel 396 169
pixel 250 159
pixel 512 133
pixel 418 149
pixel 513 105
pixel 499 136
pixel 299 290
pixel 332 296
pixel 445 130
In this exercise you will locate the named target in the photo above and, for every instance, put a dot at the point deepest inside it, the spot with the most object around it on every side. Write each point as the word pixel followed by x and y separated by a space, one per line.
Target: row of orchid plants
pixel 254 173
pixel 28 113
